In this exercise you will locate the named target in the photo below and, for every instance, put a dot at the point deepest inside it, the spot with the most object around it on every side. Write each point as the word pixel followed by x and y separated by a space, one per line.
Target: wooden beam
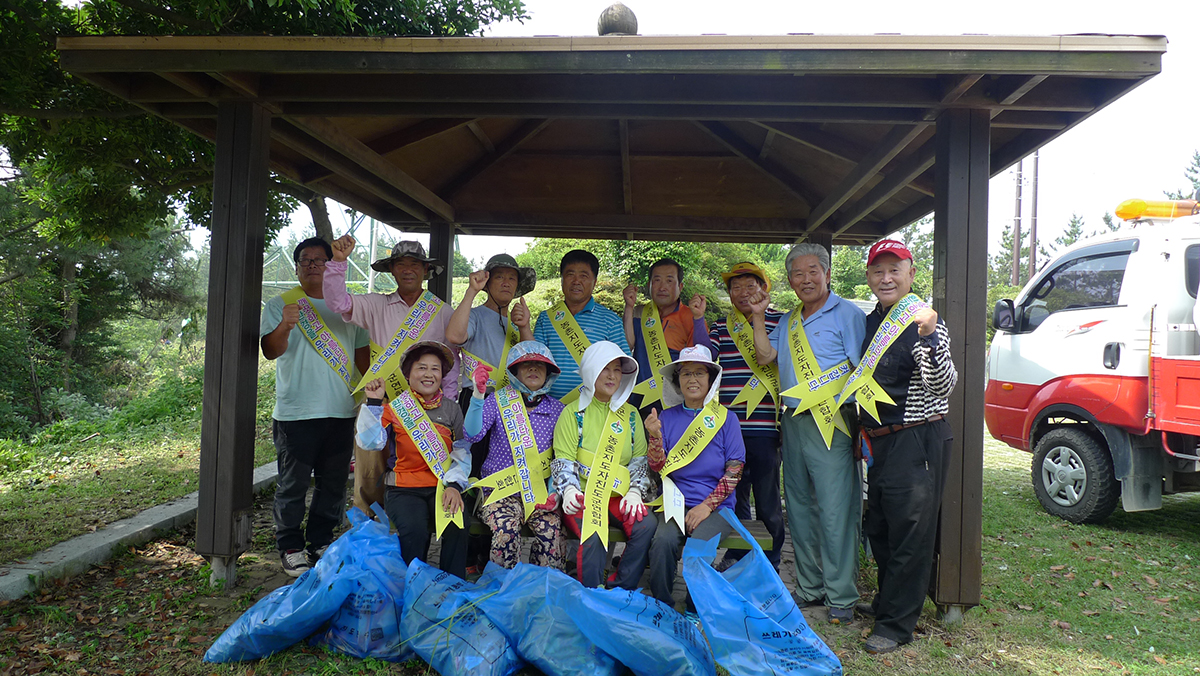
pixel 902 175
pixel 223 518
pixel 318 152
pixel 631 111
pixel 896 140
pixel 526 131
pixel 766 146
pixel 812 136
pixel 960 235
pixel 626 180
pixel 1010 95
pixel 395 140
pixel 481 136
pixel 769 168
pixel 331 135
pixel 196 84
pixel 441 248
pixel 915 212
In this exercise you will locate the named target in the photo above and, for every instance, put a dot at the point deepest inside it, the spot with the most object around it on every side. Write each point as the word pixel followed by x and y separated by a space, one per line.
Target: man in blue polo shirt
pixel 821 483
pixel 577 311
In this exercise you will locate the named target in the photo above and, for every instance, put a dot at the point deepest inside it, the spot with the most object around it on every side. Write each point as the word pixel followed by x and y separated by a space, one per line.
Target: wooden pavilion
pixel 831 139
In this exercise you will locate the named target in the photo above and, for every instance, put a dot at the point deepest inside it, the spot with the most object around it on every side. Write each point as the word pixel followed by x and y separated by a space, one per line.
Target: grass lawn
pixel 1118 598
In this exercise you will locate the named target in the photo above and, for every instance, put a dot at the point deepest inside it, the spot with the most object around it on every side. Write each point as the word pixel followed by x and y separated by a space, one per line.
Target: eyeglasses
pixel 312 262
pixel 693 375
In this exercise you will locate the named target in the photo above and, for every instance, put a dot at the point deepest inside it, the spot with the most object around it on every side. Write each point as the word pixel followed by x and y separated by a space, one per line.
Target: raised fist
pixel 291 315
pixel 480 378
pixel 375 389
pixel 478 281
pixel 630 294
pixel 698 305
pixel 342 246
pixel 759 302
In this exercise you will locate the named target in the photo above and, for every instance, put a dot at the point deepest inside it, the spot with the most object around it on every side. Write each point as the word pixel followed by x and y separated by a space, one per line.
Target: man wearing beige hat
pixel 394 321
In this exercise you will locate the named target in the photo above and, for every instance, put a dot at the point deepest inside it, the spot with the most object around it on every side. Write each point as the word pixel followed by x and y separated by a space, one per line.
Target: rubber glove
pixel 632 508
pixel 572 500
pixel 550 504
pixel 480 376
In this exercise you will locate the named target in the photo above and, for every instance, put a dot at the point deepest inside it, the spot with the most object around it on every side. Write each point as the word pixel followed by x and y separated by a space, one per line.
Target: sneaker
pixel 295 562
pixel 865 609
pixel 315 555
pixel 841 615
pixel 878 645
pixel 807 603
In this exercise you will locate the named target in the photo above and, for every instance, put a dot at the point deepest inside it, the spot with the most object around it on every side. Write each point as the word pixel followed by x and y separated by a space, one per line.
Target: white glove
pixel 631 505
pixel 572 500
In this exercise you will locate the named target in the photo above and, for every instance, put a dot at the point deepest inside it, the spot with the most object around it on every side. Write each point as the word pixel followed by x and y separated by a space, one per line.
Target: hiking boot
pixel 878 645
pixel 867 609
pixel 841 615
pixel 295 562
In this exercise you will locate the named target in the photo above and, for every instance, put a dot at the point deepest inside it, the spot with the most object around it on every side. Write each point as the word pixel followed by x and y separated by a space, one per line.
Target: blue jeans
pixel 320 448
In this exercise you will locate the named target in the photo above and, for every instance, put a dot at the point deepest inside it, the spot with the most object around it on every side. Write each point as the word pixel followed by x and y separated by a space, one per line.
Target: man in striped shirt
pixel 760 428
pixel 579 270
pixel 910 448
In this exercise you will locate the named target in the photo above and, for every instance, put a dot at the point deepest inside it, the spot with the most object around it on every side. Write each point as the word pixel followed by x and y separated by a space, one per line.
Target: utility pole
pixel 1033 243
pixel 1016 244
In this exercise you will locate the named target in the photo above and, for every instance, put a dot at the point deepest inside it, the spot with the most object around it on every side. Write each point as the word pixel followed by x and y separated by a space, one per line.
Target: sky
pixel 1138 146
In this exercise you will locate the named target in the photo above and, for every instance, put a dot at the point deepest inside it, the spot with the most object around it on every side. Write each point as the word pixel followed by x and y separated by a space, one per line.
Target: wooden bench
pixel 733 541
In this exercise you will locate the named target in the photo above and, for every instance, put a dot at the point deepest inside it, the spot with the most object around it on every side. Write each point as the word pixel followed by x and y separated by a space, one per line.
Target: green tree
pixel 1000 264
pixel 849 270
pixel 100 168
pixel 1070 235
pixel 1192 173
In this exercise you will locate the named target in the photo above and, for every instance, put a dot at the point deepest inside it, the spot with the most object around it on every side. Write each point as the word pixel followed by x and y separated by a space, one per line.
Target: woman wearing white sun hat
pixel 697 447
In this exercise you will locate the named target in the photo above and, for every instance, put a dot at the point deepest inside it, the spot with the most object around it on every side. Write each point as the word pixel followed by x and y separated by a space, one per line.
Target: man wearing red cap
pixel 901 385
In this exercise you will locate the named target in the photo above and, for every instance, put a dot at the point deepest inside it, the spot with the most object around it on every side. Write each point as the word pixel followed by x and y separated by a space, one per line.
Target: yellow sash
pixel 420 429
pixel 519 478
pixel 816 390
pixel 572 335
pixel 861 382
pixel 696 437
pixel 765 379
pixel 606 475
pixel 385 360
pixel 498 376
pixel 320 337
pixel 656 351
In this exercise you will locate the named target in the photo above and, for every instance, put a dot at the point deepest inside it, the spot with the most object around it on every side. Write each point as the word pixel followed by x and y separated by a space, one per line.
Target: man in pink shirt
pixel 382 315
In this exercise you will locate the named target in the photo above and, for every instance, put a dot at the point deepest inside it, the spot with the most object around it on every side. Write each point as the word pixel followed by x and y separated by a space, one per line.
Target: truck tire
pixel 1073 476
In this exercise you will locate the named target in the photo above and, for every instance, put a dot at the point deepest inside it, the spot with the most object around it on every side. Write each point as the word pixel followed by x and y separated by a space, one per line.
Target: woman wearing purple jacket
pixel 696 446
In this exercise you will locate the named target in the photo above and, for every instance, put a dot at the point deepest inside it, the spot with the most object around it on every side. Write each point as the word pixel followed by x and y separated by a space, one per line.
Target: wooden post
pixel 960 297
pixel 825 239
pixel 223 522
pixel 441 248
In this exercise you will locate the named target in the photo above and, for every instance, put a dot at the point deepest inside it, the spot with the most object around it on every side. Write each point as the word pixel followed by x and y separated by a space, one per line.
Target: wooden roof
pixel 683 138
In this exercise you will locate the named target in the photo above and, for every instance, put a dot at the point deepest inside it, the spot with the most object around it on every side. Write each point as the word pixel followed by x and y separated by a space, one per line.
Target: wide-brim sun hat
pixel 531 351
pixel 526 277
pixel 697 354
pixel 408 248
pixel 746 268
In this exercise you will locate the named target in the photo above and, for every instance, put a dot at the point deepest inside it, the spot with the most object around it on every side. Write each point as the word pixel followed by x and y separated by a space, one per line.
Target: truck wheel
pixel 1073 477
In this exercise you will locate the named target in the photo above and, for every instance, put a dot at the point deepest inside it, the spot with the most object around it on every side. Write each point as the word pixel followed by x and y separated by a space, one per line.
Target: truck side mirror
pixel 1002 315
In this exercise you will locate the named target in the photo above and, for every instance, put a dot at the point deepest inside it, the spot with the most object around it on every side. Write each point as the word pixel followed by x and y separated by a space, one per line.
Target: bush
pixel 65 405
pixel 177 395
pixel 15 455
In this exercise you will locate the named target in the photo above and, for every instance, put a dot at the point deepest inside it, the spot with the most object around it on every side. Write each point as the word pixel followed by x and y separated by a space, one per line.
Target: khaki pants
pixel 369 468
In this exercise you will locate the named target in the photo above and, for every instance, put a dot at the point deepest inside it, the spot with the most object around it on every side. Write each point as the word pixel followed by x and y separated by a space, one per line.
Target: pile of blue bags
pixel 361 600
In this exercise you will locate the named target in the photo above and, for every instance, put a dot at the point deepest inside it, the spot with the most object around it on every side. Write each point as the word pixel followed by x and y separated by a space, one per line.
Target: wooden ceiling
pixel 700 138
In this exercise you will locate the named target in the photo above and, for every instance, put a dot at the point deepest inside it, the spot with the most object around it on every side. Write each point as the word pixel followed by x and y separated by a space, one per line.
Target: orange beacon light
pixel 1132 210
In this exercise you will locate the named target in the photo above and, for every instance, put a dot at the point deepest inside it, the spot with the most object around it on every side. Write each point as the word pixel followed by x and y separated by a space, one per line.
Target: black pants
pixel 904 496
pixel 760 476
pixel 479 547
pixel 320 448
pixel 411 511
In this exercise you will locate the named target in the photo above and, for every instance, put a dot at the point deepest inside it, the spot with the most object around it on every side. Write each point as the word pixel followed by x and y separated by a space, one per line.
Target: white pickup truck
pixel 1095 367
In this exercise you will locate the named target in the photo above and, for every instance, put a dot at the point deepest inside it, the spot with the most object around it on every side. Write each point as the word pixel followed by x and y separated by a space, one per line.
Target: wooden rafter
pixel 481 136
pixel 768 167
pixel 812 136
pixel 400 138
pixel 900 176
pixel 526 131
pixel 891 145
pixel 331 135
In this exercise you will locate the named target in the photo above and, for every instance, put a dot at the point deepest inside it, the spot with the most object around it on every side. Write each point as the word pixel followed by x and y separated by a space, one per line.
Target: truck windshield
pixel 1091 279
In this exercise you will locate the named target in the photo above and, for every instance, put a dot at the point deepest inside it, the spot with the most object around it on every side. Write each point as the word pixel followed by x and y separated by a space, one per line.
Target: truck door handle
pixel 1112 355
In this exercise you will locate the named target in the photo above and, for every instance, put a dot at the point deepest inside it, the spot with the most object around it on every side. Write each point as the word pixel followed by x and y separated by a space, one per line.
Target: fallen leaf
pixel 1060 567
pixel 1023 607
pixel 1090 613
pixel 1159 659
pixel 887 662
pixel 1097 583
pixel 1150 581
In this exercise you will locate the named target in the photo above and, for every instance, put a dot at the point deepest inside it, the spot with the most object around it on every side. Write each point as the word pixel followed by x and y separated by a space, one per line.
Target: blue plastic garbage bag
pixel 648 637
pixel 368 622
pixel 749 616
pixel 444 627
pixel 544 633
